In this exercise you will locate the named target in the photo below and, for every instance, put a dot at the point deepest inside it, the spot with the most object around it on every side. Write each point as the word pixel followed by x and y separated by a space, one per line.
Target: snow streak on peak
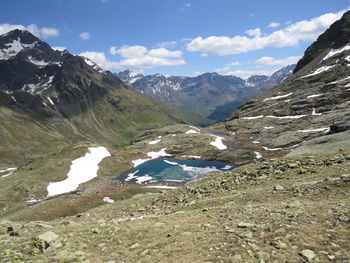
pixel 13 48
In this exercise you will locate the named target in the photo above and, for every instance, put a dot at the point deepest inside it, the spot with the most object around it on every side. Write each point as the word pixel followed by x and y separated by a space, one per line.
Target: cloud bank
pixel 305 30
pixel 136 57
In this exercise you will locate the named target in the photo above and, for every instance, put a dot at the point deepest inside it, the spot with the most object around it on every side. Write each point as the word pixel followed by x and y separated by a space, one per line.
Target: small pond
pixel 172 170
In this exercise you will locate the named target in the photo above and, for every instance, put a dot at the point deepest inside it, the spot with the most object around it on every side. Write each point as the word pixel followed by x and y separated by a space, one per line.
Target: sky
pixel 178 37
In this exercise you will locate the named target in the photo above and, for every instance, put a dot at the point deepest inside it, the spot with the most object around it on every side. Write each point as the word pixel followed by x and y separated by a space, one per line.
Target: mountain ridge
pixel 210 95
pixel 73 100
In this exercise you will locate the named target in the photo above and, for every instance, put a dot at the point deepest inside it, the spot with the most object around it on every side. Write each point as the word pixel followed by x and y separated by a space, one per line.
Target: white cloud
pixel 306 30
pixel 129 51
pixel 164 53
pixel 166 44
pixel 136 57
pixel 49 32
pixel 254 32
pixel 85 36
pixel 236 63
pixel 278 62
pixel 43 32
pixel 227 68
pixel 59 48
pixel 273 24
pixel 245 74
pixel 222 70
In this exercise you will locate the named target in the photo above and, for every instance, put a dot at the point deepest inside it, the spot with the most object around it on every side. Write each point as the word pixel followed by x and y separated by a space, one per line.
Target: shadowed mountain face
pixel 50 98
pixel 309 111
pixel 210 95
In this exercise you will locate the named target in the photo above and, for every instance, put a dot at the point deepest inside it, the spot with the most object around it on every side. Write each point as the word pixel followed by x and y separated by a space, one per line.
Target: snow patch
pixel 38 88
pixel 268 127
pixel 285 117
pixel 152 155
pixel 314 112
pixel 191 131
pixel 314 96
pixel 258 155
pixel 319 70
pixel 253 118
pixel 13 48
pixel 194 128
pixel 218 143
pixel 333 52
pixel 316 130
pixel 155 141
pixel 10 170
pixel 143 179
pixel 161 187
pixel 272 149
pixel 278 97
pixel 50 100
pixel 82 170
pixel 131 176
pixel 227 167
pixel 39 63
pixel 107 200
pixel 337 81
pixel 169 162
pixel 33 201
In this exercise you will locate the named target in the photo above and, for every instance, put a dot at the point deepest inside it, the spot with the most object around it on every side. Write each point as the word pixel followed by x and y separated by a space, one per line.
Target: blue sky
pixel 178 37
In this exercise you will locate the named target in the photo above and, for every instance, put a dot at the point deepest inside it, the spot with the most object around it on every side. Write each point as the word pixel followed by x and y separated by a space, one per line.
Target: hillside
pixel 59 99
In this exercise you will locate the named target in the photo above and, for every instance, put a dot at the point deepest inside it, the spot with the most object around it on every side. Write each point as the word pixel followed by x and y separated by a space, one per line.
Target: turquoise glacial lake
pixel 172 170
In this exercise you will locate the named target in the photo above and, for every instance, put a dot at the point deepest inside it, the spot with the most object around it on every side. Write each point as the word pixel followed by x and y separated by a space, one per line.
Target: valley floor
pixel 283 210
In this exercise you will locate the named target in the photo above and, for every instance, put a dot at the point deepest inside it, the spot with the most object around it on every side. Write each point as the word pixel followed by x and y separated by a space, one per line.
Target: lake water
pixel 172 170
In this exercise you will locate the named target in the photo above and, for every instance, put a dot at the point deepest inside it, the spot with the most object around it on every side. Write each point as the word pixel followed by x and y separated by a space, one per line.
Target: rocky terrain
pixel 311 104
pixel 284 210
pixel 209 95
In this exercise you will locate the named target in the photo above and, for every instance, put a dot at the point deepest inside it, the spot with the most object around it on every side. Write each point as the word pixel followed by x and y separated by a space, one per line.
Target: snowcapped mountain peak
pixel 11 47
pixel 93 65
pixel 129 76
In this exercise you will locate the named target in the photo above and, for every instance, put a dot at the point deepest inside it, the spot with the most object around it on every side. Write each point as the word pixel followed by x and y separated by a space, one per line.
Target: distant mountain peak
pixel 209 94
pixel 93 65
pixel 129 76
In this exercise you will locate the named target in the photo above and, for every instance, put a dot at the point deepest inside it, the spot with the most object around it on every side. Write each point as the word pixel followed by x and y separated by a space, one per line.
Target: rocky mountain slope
pixel 51 99
pixel 313 103
pixel 210 95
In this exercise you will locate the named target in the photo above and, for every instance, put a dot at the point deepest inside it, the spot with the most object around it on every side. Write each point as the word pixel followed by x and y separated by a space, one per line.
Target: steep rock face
pixel 337 36
pixel 314 102
pixel 209 95
pixel 59 99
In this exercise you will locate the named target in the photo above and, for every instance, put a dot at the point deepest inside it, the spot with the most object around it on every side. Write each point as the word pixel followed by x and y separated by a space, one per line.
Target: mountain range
pixel 286 201
pixel 209 95
pixel 58 99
